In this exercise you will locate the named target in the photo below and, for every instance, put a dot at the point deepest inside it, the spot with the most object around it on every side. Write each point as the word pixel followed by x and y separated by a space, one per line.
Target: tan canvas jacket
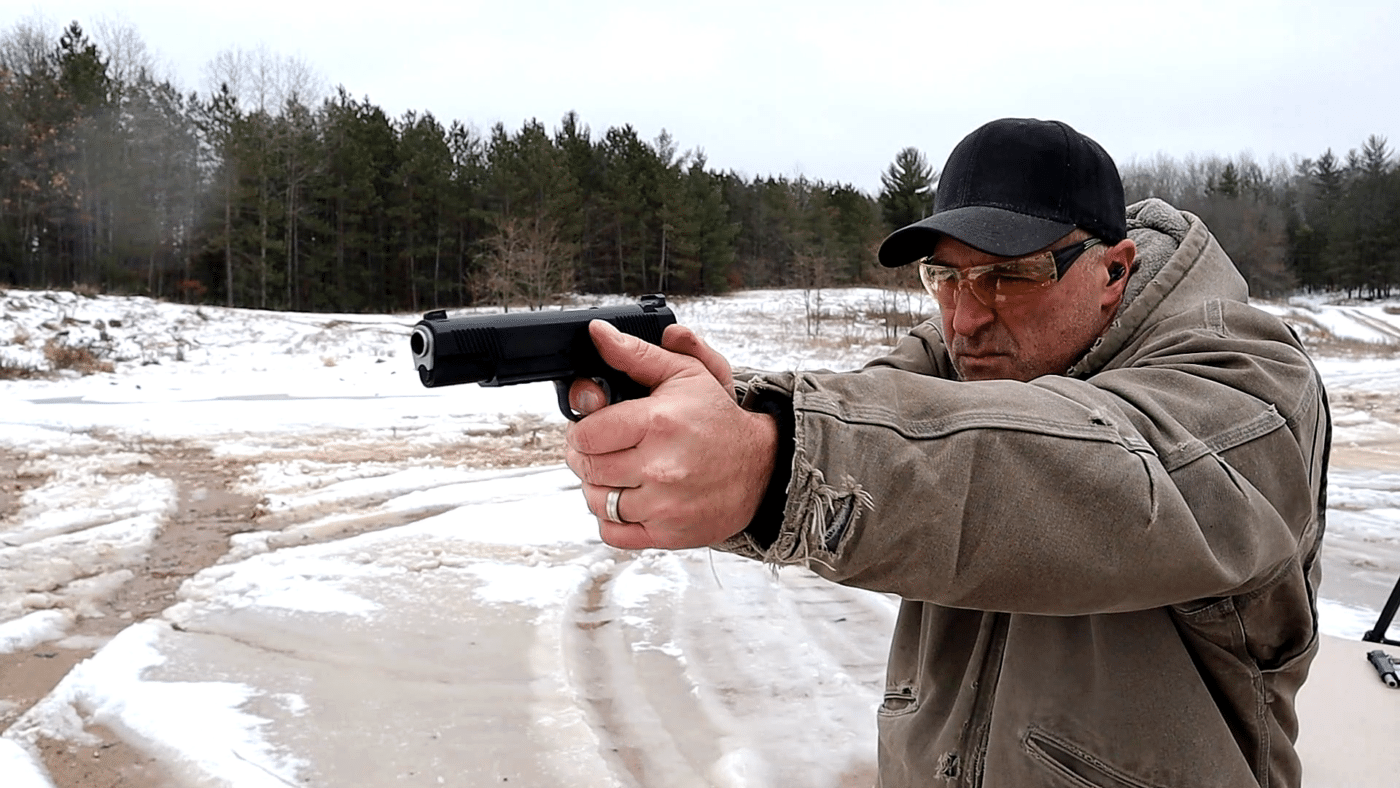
pixel 1109 577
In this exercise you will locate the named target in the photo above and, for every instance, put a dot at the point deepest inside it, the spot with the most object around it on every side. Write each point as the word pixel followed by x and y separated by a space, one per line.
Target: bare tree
pixel 263 80
pixel 813 269
pixel 25 47
pixel 1252 232
pixel 128 58
pixel 899 291
pixel 526 263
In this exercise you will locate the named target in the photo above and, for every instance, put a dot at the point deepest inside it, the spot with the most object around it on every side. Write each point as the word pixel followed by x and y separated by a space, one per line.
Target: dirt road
pixel 615 657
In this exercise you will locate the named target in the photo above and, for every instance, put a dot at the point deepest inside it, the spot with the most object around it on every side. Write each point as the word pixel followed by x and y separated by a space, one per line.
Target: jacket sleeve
pixel 1187 469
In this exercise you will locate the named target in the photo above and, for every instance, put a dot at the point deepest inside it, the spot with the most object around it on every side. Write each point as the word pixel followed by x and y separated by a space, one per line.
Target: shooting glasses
pixel 999 283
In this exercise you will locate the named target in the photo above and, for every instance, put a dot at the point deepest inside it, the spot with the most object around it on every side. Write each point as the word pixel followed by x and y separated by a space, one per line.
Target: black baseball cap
pixel 1014 186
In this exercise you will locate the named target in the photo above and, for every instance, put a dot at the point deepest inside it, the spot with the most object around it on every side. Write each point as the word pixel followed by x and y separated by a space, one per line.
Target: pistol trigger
pixel 561 390
pixel 608 392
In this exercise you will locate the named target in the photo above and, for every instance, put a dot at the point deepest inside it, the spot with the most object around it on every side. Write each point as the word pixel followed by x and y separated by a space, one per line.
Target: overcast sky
pixel 830 90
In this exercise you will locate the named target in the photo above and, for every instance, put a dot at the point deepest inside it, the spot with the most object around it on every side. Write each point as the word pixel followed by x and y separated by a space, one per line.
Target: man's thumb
pixel 640 360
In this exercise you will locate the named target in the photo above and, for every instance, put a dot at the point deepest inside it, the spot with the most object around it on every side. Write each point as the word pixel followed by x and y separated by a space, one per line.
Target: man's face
pixel 1042 334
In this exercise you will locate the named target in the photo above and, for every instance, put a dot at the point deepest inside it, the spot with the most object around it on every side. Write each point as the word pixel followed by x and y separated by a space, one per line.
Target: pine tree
pixel 1229 183
pixel 857 226
pixel 468 216
pixel 158 188
pixel 584 161
pixel 91 147
pixel 301 157
pixel 906 193
pixel 33 119
pixel 629 197
pixel 529 178
pixel 715 231
pixel 1328 184
pixel 1366 244
pixel 220 121
pixel 421 209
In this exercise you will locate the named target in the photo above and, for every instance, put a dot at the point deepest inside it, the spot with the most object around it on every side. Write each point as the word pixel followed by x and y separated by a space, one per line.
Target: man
pixel 1097 483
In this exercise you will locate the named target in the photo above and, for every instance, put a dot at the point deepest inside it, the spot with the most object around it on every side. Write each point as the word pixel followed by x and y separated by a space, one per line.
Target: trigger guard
pixel 561 390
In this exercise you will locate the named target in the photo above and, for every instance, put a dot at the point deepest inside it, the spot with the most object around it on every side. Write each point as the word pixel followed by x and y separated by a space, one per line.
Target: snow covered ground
pixel 258 553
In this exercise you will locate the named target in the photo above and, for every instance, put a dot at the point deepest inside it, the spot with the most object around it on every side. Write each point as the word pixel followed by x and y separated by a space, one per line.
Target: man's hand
pixel 692 466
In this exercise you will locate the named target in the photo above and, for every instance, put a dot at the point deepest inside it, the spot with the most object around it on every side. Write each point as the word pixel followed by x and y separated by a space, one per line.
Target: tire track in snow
pixel 631 679
pixel 704 670
pixel 1386 330
pixel 799 668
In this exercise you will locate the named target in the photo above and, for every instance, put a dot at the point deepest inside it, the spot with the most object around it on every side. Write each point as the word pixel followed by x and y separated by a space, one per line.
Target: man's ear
pixel 1121 257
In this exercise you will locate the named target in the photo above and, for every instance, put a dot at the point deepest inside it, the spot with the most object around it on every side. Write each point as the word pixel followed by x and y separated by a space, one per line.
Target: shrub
pixel 13 370
pixel 79 359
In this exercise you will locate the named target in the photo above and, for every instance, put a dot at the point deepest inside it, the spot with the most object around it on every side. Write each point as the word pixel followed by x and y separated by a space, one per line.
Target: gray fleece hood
pixel 1179 266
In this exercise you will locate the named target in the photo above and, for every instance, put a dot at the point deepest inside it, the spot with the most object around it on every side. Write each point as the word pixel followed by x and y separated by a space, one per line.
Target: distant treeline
pixel 254 197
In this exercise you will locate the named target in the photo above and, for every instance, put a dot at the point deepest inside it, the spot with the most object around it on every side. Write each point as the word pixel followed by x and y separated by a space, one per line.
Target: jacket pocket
pixel 899 700
pixel 1077 766
pixel 1266 630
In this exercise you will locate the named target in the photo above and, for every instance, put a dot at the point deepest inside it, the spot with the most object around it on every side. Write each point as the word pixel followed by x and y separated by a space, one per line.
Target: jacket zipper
pixel 988 679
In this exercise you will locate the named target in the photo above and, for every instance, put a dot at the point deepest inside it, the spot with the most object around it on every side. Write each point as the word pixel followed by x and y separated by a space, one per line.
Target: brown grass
pixel 86 289
pixel 59 356
pixel 12 371
pixel 78 359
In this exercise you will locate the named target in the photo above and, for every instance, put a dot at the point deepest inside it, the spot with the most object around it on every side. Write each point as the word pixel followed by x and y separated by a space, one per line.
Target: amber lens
pixel 1018 278
pixel 934 277
pixel 991 284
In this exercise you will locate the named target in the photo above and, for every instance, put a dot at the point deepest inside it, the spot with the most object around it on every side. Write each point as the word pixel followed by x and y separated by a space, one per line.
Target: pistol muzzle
pixel 1385 666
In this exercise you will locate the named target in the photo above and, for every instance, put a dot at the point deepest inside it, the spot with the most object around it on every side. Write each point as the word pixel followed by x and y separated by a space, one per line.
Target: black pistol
pixel 525 347
pixel 1385 666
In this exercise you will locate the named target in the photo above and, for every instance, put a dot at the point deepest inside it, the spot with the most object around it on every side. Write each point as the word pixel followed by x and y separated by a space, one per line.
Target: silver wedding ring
pixel 614 496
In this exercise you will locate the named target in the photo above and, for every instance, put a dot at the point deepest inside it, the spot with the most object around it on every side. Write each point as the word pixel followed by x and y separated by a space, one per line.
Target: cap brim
pixel 992 230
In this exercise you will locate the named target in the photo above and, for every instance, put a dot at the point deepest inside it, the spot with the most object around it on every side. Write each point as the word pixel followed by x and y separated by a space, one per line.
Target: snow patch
pixel 197 726
pixel 31 630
